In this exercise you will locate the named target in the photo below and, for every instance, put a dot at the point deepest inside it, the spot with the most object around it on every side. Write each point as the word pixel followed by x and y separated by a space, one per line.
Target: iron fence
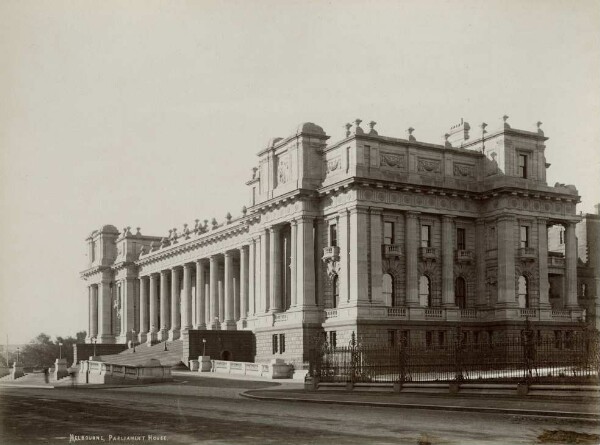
pixel 524 358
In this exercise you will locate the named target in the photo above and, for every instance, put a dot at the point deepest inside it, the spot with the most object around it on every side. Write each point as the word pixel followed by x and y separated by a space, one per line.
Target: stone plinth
pixel 60 368
pixel 205 363
pixel 194 364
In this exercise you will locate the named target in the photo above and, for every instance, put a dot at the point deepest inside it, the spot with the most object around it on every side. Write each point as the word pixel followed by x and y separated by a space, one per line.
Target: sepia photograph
pixel 300 222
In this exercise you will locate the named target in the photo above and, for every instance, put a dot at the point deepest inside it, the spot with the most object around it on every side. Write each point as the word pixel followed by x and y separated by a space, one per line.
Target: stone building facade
pixel 390 238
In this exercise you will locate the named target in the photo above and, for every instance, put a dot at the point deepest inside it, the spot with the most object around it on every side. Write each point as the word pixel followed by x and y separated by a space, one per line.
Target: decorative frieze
pixel 464 170
pixel 334 164
pixel 426 165
pixel 393 161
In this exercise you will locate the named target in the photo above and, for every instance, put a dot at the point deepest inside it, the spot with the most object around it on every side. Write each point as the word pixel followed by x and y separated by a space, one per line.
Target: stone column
pixel 343 228
pixel 571 266
pixel 143 309
pixel 214 294
pixel 448 261
pixel 228 288
pixel 264 271
pixel 480 258
pixel 305 281
pixel 275 269
pixel 358 249
pixel 243 283
pixel 543 263
pixel 506 262
pixel 186 303
pixel 412 255
pixel 293 259
pixel 165 318
pixel 375 215
pixel 252 275
pixel 127 309
pixel 153 307
pixel 105 313
pixel 200 295
pixel 93 292
pixel 174 332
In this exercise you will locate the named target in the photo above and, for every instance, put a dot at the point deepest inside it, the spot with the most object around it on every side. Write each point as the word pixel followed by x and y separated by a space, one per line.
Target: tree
pixel 42 351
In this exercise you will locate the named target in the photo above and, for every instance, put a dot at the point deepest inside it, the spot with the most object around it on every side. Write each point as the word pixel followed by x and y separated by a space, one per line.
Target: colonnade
pixel 220 291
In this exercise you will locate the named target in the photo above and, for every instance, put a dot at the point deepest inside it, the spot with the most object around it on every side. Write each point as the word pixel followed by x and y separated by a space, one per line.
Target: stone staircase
pixel 171 357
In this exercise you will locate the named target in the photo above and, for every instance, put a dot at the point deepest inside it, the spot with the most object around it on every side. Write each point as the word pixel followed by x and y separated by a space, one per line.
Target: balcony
pixel 396 312
pixel 428 253
pixel 527 253
pixel 560 314
pixel 468 314
pixel 465 256
pixel 527 313
pixel 391 250
pixel 331 253
pixel 554 261
pixel 331 313
pixel 433 313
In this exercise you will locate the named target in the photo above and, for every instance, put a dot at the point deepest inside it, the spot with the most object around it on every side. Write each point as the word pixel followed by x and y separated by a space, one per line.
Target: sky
pixel 150 113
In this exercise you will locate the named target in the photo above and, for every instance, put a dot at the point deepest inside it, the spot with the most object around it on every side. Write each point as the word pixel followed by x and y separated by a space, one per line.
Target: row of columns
pixel 225 292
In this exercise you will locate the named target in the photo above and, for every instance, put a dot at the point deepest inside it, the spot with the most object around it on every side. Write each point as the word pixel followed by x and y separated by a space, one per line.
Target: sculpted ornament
pixel 465 170
pixel 283 169
pixel 391 160
pixel 333 164
pixel 429 165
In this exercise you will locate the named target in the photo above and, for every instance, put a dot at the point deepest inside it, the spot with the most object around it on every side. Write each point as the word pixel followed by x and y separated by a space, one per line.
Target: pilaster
pixel 200 295
pixel 571 266
pixel 174 332
pixel 544 284
pixel 411 240
pixel 375 214
pixel 506 262
pixel 448 261
pixel 480 257
pixel 275 269
pixel 305 266
pixel 165 319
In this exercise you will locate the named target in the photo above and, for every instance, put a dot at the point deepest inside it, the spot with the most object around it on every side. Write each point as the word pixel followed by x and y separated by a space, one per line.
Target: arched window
pixel 335 288
pixel 523 292
pixel 425 291
pixel 388 290
pixel 460 292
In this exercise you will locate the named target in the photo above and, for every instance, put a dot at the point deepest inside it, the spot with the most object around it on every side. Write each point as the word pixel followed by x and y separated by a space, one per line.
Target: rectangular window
pixel 367 156
pixel 253 195
pixel 333 339
pixel 333 235
pixel 347 159
pixel 275 348
pixel 425 235
pixel 428 339
pixel 391 338
pixel 558 339
pixel 461 239
pixel 281 343
pixel 388 232
pixel 522 167
pixel 524 236
pixel 405 338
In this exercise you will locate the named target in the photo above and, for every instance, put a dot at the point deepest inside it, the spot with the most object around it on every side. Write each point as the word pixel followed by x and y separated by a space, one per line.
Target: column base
pixel 174 334
pixel 163 335
pixel 152 338
pixel 200 327
pixel 105 339
pixel 229 325
pixel 142 336
pixel 214 326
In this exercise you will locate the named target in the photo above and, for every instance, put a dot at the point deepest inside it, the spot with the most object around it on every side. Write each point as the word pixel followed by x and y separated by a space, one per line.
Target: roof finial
pixel 539 128
pixel 410 134
pixel 372 128
pixel 447 143
pixel 348 126
pixel 505 119
pixel 358 130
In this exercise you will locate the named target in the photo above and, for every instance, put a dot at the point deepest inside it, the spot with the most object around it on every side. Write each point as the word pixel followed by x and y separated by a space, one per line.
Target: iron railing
pixel 525 358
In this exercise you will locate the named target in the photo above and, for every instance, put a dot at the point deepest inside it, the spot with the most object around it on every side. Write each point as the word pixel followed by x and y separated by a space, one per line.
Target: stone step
pixel 171 357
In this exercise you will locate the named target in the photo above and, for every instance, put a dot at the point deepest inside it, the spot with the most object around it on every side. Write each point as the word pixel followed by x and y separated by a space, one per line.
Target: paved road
pixel 210 411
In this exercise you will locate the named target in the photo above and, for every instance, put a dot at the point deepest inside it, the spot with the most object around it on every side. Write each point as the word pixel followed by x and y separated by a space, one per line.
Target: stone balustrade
pixel 331 313
pixel 465 256
pixel 391 250
pixel 554 261
pixel 331 253
pixel 527 253
pixel 429 253
pixel 276 369
pixel 91 371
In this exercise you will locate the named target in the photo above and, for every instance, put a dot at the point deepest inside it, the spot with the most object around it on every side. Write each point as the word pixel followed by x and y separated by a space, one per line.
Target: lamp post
pixel 133 339
pixel 60 350
pixel 94 339
pixel 203 347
